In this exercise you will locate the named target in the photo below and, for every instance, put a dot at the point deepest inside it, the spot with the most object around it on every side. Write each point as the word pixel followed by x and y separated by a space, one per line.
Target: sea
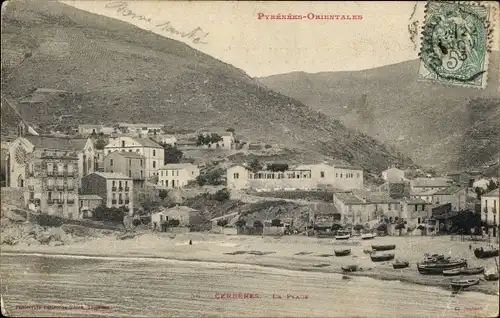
pixel 77 286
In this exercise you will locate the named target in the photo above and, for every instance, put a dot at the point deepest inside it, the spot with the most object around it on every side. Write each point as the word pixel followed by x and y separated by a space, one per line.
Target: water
pixel 157 287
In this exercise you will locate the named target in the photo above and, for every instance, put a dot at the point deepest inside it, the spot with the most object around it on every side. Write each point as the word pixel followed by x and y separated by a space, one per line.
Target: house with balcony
pixel 177 175
pixel 153 152
pixel 490 205
pixel 51 182
pixel 115 189
pixel 24 145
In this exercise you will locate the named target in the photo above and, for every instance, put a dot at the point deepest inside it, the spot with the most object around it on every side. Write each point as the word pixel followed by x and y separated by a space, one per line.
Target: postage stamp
pixel 455 44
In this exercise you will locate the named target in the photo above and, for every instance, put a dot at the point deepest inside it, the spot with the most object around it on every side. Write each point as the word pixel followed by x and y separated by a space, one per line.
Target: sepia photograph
pixel 250 158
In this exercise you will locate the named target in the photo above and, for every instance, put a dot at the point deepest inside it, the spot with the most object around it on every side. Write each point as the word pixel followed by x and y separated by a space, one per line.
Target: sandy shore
pixel 289 252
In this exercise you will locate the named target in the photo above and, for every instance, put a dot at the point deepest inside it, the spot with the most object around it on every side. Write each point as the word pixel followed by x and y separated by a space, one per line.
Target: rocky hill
pixel 448 127
pixel 111 71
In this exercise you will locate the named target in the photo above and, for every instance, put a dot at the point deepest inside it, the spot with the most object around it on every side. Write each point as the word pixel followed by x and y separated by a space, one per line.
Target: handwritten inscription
pixel 196 35
pixel 240 295
pixel 472 308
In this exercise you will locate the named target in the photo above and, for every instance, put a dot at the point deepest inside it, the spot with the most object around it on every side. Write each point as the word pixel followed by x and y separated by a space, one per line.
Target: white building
pixel 299 177
pixel 393 175
pixel 153 152
pixel 490 206
pixel 167 139
pixel 483 183
pixel 141 129
pixel 177 175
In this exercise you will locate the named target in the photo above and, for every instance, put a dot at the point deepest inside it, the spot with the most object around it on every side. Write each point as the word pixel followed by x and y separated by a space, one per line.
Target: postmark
pixel 456 43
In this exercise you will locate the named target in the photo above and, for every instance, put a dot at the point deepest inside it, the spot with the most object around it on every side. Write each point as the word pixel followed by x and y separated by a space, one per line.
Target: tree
pixel 163 194
pixel 240 223
pixel 211 177
pixel 222 195
pixel 230 130
pixel 215 138
pixel 479 192
pixel 100 144
pixel 201 139
pixel 277 167
pixel 277 223
pixel 172 154
pixel 222 222
pixel 492 185
pixel 255 165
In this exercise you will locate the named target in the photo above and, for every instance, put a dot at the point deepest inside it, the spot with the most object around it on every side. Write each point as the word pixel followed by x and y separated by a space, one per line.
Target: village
pixel 139 175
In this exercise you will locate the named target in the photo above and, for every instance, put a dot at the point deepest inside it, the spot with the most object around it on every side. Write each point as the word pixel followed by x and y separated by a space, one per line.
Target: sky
pixel 377 33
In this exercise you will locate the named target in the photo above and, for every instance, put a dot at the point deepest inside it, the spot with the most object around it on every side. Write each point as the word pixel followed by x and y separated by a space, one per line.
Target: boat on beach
pixel 342 236
pixel 384 247
pixel 368 236
pixel 452 272
pixel 343 252
pixel 382 257
pixel 351 268
pixel 472 270
pixel 399 264
pixel 485 253
pixel 458 284
pixel 438 268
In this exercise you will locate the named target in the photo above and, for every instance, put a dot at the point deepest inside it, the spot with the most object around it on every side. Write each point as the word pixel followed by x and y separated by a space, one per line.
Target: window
pixel 177 173
pixel 123 143
pixel 322 174
pixel 130 173
pixel 154 164
pixel 161 173
pixel 141 173
pixel 336 175
pixel 50 167
pixel 111 162
pixel 236 175
pixel 141 162
pixel 416 207
pixel 154 152
pixel 341 175
pixel 126 184
pixel 120 184
pixel 114 183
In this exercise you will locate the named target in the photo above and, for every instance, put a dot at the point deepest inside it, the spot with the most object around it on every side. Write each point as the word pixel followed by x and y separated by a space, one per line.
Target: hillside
pixel 111 71
pixel 448 127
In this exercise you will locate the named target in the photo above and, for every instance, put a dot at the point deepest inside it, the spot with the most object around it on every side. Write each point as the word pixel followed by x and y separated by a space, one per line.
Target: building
pixel 396 190
pixel 23 146
pixel 364 207
pixel 393 175
pixel 166 140
pixel 86 130
pixel 177 175
pixel 426 195
pixel 299 177
pixel 141 129
pixel 185 215
pixel 414 211
pixel 227 140
pixel 99 153
pixel 422 184
pixel 483 183
pixel 490 205
pixel 51 182
pixel 131 164
pixel 115 189
pixel 88 203
pixel 455 195
pixel 154 153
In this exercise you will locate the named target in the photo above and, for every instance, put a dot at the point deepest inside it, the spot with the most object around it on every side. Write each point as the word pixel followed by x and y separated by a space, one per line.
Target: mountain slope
pixel 111 71
pixel 432 123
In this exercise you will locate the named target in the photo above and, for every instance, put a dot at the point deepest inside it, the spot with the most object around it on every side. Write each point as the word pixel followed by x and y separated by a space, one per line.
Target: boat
pixel 482 253
pixel 382 257
pixel 325 235
pixel 452 272
pixel 397 265
pixel 438 268
pixel 472 270
pixel 342 236
pixel 491 277
pixel 351 268
pixel 383 247
pixel 368 236
pixel 458 284
pixel 342 252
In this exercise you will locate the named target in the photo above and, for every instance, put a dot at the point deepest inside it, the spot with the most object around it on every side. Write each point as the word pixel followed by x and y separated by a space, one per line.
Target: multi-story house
pixel 227 142
pixel 455 195
pixel 490 205
pixel 115 189
pixel 154 153
pixel 52 182
pixel 299 177
pixel 177 175
pixel 422 184
pixel 130 164
pixel 414 211
pixel 27 144
pixel 362 207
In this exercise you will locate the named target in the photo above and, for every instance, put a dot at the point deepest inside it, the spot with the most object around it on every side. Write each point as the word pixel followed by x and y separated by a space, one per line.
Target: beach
pixel 286 252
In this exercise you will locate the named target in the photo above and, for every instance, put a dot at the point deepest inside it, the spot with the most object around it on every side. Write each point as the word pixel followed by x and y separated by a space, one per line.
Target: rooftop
pixel 374 197
pixel 431 182
pixel 348 198
pixel 176 166
pixel 492 194
pixel 112 175
pixel 448 190
pixel 60 143
pixel 128 154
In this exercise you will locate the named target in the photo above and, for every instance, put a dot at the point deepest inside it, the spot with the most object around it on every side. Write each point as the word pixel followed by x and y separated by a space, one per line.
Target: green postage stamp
pixel 456 41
